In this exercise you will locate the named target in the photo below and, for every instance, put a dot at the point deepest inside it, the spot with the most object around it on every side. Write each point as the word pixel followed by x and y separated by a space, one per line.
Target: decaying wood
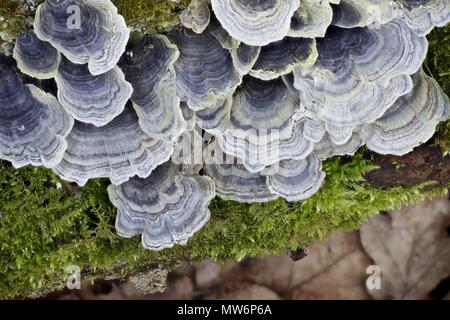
pixel 425 164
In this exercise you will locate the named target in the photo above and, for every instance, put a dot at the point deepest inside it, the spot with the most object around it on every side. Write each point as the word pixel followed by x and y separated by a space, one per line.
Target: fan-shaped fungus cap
pixel 118 150
pixel 196 16
pixel 256 23
pixel 234 182
pixel 423 15
pixel 92 99
pixel 85 31
pixel 312 19
pixel 281 57
pixel 33 125
pixel 359 74
pixel 215 120
pixel 297 180
pixel 148 66
pixel 205 70
pixel 326 148
pixel 262 130
pixel 362 13
pixel 244 57
pixel 411 121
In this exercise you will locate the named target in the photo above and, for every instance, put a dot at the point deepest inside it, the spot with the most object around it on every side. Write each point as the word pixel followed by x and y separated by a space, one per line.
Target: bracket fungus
pixel 149 66
pixel 411 121
pixel 423 15
pixel 281 57
pixel 33 125
pixel 221 35
pixel 234 182
pixel 314 130
pixel 296 180
pixel 291 179
pixel 196 16
pixel 268 88
pixel 362 13
pixel 215 120
pixel 245 57
pixel 359 74
pixel 259 151
pixel 36 58
pixel 84 31
pixel 261 130
pixel 326 148
pixel 188 116
pixel 167 208
pixel 205 70
pixel 312 18
pixel 256 23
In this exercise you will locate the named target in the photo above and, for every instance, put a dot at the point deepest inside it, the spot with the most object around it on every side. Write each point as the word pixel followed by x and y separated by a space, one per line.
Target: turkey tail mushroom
pixel 85 31
pixel 33 125
pixel 92 99
pixel 256 23
pixel 149 66
pixel 196 16
pixel 205 70
pixel 118 151
pixel 167 208
pixel 36 58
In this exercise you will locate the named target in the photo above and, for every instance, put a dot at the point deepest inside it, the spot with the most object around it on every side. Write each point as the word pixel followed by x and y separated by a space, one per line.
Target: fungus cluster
pixel 268 88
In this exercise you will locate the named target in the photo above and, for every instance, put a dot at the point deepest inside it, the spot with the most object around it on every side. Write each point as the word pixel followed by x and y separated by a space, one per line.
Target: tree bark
pixel 425 164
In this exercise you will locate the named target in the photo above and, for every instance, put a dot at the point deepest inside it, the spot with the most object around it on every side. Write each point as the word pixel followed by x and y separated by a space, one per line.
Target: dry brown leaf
pixel 207 274
pixel 412 248
pixel 180 288
pixel 334 269
pixel 274 272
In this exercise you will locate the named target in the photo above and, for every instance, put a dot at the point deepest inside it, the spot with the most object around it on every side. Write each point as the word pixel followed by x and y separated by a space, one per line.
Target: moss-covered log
pixel 47 224
pixel 43 229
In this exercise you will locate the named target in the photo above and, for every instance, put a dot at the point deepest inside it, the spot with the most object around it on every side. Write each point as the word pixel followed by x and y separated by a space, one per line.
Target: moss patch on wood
pixel 438 66
pixel 149 15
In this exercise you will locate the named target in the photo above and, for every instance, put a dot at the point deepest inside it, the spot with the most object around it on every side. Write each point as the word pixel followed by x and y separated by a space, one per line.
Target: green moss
pixel 438 66
pixel 149 15
pixel 438 59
